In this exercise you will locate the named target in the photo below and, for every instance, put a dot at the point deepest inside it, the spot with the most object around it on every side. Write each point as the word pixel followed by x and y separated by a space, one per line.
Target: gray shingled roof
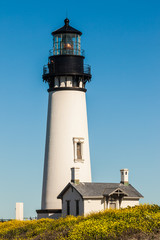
pixel 102 189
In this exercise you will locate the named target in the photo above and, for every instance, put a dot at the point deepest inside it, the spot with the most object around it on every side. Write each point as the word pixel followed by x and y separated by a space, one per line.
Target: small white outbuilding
pixel 81 198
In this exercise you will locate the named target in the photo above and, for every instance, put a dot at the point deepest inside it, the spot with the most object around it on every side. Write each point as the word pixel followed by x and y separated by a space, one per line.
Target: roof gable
pixel 117 192
pixel 69 185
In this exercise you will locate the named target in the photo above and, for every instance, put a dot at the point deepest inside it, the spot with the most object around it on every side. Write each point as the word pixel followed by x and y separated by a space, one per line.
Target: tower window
pixel 68 207
pixel 76 84
pixel 58 81
pixel 77 207
pixel 79 151
pixel 126 173
pixel 65 81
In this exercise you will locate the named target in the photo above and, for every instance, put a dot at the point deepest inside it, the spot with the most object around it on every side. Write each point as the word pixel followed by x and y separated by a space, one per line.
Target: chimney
pixel 75 175
pixel 19 211
pixel 124 176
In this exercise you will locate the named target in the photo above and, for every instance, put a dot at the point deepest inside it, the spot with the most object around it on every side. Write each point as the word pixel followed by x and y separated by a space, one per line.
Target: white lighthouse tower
pixel 67 144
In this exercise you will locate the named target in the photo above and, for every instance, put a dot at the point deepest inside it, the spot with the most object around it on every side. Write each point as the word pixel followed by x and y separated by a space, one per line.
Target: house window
pixel 77 207
pixel 68 207
pixel 78 149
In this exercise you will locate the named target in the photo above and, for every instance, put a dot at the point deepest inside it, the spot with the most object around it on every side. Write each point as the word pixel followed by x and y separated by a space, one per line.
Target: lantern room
pixel 66 59
pixel 67 40
pixel 66 44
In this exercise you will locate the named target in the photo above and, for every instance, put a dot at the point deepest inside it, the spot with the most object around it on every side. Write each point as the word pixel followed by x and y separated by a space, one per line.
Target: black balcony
pixel 49 69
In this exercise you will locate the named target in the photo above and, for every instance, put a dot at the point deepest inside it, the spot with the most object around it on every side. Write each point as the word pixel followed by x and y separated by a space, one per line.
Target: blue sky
pixel 121 42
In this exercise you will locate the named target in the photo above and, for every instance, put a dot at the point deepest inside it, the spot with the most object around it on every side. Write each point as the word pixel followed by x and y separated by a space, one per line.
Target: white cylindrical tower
pixel 67 144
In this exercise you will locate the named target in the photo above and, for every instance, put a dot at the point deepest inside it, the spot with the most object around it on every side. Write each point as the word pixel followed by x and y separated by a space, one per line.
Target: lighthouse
pixel 67 155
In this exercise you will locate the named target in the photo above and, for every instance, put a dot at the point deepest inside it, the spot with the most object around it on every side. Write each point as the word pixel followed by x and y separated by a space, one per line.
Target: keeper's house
pixel 80 198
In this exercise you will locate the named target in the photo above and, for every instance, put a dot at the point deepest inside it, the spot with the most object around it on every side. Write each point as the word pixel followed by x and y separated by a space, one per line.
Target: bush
pixel 142 222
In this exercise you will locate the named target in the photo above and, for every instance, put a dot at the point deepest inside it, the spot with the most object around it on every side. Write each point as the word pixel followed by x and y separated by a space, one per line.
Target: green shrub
pixel 109 224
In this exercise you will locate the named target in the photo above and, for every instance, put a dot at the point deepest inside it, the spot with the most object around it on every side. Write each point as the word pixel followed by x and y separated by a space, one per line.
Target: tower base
pixel 49 213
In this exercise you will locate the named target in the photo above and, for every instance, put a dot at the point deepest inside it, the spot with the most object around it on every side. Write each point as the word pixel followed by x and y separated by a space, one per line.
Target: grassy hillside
pixel 141 222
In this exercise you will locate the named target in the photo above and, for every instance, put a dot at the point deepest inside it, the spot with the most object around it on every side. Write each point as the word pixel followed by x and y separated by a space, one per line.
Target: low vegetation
pixel 137 223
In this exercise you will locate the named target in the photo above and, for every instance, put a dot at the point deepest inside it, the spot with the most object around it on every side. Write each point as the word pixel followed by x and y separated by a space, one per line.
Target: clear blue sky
pixel 122 44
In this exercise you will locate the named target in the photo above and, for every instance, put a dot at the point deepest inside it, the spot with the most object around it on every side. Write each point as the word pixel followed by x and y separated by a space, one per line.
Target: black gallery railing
pixel 86 69
pixel 66 51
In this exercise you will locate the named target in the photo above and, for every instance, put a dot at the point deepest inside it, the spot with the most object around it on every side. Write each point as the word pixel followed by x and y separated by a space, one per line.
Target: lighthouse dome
pixel 66 29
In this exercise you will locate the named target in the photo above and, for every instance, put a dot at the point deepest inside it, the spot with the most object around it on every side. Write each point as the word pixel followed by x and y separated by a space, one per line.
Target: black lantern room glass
pixel 67 44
